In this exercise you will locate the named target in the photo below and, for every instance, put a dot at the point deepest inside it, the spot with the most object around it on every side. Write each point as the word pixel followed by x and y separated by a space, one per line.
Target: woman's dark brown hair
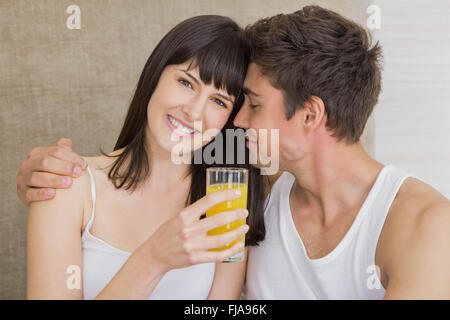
pixel 216 45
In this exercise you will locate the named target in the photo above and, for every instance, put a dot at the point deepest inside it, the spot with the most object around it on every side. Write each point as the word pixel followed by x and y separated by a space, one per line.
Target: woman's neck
pixel 162 168
pixel 163 172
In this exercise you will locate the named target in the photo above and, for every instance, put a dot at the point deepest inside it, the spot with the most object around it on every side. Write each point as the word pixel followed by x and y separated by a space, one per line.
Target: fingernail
pixel 84 164
pixel 245 212
pixel 76 171
pixel 49 192
pixel 246 227
pixel 65 181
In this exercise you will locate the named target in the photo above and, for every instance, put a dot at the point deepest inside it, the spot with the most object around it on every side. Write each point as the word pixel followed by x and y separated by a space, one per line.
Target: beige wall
pixel 57 82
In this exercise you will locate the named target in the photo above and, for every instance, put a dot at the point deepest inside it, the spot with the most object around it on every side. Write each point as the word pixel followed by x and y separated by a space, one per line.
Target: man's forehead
pixel 254 71
pixel 255 82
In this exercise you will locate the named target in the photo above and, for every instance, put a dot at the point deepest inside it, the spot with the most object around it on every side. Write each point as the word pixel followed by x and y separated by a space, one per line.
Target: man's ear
pixel 313 113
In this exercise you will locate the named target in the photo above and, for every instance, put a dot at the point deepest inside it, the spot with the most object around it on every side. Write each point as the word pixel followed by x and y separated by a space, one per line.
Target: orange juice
pixel 241 202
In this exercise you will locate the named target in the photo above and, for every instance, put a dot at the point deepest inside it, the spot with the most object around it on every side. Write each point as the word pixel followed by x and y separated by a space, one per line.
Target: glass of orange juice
pixel 218 179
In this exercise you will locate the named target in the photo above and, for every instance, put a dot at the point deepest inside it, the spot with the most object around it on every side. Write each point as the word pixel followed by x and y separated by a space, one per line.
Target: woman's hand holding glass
pixel 183 241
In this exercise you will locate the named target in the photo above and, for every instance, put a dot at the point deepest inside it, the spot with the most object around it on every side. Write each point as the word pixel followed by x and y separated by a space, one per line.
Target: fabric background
pixel 56 82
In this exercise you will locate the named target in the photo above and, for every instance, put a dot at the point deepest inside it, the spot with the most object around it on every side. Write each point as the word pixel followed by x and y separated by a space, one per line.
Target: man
pixel 339 224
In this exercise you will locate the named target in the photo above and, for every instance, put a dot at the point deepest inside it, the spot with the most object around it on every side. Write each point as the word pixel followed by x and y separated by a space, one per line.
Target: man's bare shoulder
pixel 427 210
pixel 415 199
pixel 417 227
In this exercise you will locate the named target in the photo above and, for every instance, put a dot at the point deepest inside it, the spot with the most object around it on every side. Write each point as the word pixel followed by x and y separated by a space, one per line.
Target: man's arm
pixel 419 267
pixel 47 169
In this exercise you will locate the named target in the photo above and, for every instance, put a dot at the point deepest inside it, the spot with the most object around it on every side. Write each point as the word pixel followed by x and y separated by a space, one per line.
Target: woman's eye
pixel 253 106
pixel 219 102
pixel 186 83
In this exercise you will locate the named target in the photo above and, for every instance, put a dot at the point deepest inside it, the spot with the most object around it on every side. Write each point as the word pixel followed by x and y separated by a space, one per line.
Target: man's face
pixel 264 111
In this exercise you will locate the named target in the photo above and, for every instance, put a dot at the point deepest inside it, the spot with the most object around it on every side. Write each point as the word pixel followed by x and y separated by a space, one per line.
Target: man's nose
pixel 241 119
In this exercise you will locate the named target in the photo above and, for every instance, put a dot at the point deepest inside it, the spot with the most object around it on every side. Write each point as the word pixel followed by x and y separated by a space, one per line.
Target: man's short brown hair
pixel 317 52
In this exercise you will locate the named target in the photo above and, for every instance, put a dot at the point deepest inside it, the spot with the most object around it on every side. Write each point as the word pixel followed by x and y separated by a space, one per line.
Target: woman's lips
pixel 183 123
pixel 248 141
pixel 177 130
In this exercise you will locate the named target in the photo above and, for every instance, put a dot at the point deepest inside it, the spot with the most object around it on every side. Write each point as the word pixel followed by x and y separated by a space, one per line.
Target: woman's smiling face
pixel 182 104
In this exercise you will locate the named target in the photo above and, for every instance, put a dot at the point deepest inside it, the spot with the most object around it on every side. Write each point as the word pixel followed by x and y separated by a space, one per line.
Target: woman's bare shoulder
pixel 67 207
pixel 101 164
pixel 99 167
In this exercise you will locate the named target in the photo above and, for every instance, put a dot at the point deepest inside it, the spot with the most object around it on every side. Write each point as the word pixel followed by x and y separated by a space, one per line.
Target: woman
pixel 131 224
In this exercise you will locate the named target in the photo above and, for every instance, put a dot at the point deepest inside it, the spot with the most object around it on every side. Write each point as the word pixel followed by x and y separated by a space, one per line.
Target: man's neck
pixel 334 181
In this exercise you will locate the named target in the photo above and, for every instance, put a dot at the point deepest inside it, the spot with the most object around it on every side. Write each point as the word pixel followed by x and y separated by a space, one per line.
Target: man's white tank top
pixel 101 261
pixel 279 268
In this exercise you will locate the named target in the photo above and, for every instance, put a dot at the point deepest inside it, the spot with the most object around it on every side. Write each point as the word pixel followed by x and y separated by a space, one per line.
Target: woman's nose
pixel 194 110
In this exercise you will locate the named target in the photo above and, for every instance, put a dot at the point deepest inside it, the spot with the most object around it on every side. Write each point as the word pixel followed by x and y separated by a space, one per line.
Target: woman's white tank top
pixel 279 268
pixel 101 261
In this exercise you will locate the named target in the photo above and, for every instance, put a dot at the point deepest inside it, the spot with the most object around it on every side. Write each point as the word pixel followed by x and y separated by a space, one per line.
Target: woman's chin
pixel 177 144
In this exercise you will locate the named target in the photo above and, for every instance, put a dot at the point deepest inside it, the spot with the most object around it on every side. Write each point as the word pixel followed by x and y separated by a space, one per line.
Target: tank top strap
pixel 392 182
pixel 93 197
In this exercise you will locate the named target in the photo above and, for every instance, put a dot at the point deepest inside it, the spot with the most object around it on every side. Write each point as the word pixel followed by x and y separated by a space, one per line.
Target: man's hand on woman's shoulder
pixel 47 169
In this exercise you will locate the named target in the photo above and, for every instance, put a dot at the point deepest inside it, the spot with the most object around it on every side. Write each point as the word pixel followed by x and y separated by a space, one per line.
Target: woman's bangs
pixel 224 64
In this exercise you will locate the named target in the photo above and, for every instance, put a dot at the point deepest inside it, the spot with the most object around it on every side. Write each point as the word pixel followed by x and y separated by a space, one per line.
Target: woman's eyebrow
pixel 192 77
pixel 198 83
pixel 225 97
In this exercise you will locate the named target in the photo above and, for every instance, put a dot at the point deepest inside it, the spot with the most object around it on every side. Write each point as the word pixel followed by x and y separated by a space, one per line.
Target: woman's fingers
pixel 183 240
pixel 198 208
pixel 202 226
pixel 229 252
pixel 217 256
pixel 205 242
